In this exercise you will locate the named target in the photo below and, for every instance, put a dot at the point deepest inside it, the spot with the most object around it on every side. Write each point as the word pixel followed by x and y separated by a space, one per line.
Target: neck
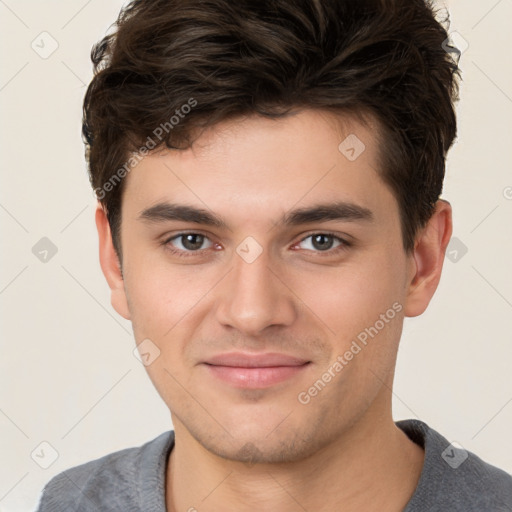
pixel 373 466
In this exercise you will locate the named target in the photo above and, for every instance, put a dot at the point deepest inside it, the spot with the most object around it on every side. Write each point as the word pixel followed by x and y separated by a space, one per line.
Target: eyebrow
pixel 338 210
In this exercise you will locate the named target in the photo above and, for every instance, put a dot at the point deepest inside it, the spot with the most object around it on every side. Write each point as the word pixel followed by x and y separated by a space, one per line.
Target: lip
pixel 254 371
pixel 247 360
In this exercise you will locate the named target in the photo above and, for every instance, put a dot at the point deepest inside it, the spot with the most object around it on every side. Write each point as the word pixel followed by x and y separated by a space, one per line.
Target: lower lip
pixel 255 378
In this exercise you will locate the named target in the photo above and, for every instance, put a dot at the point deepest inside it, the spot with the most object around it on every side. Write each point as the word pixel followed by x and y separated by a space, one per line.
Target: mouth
pixel 255 371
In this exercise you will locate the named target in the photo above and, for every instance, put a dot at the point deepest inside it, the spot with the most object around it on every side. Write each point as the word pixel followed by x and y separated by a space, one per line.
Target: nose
pixel 253 297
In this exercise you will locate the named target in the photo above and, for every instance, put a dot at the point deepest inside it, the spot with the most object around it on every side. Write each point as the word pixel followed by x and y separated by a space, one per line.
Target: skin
pixel 255 449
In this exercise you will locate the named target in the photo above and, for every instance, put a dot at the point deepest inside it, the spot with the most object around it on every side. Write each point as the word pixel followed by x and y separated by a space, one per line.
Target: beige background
pixel 67 373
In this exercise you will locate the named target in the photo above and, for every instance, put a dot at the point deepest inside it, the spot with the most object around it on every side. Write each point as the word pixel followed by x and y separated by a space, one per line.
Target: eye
pixel 184 243
pixel 324 242
pixel 193 244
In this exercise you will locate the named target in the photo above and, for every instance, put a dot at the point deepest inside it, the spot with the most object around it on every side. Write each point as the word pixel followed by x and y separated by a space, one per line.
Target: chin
pixel 253 443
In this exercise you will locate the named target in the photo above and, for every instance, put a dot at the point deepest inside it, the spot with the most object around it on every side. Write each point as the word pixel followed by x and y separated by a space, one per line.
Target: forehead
pixel 257 167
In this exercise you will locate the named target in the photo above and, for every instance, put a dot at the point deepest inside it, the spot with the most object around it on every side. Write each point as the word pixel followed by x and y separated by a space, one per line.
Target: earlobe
pixel 110 264
pixel 427 259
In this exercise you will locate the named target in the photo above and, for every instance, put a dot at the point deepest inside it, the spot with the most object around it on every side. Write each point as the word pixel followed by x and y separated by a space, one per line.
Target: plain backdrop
pixel 68 377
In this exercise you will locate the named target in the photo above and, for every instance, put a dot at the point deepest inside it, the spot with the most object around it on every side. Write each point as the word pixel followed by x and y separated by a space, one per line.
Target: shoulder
pixel 113 482
pixel 454 478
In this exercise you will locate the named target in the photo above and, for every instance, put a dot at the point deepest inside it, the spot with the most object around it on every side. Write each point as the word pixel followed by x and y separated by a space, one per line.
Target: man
pixel 268 176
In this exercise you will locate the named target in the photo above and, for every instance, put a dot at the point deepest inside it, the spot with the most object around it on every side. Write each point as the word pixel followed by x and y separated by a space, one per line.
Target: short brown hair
pixel 224 59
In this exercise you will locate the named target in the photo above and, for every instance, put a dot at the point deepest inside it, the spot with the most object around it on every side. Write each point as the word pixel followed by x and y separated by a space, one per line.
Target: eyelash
pixel 344 244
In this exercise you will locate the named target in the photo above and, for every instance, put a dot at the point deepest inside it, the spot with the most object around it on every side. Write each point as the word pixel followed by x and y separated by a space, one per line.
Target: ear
pixel 427 259
pixel 110 264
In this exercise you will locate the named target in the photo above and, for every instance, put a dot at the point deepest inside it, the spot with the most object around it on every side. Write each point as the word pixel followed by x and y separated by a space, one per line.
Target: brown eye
pixel 192 241
pixel 187 243
pixel 323 242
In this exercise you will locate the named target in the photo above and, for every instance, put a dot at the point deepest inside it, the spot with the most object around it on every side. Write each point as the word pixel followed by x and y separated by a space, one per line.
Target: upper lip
pixel 246 360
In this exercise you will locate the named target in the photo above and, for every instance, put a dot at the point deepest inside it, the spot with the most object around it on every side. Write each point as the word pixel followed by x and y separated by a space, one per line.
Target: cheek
pixel 161 302
pixel 164 298
pixel 160 294
pixel 352 298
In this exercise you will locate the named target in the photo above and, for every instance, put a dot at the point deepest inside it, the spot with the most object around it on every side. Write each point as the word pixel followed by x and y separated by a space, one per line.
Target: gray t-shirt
pixel 133 480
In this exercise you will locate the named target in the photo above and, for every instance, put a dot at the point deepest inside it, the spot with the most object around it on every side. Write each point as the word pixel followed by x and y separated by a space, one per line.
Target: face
pixel 307 301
